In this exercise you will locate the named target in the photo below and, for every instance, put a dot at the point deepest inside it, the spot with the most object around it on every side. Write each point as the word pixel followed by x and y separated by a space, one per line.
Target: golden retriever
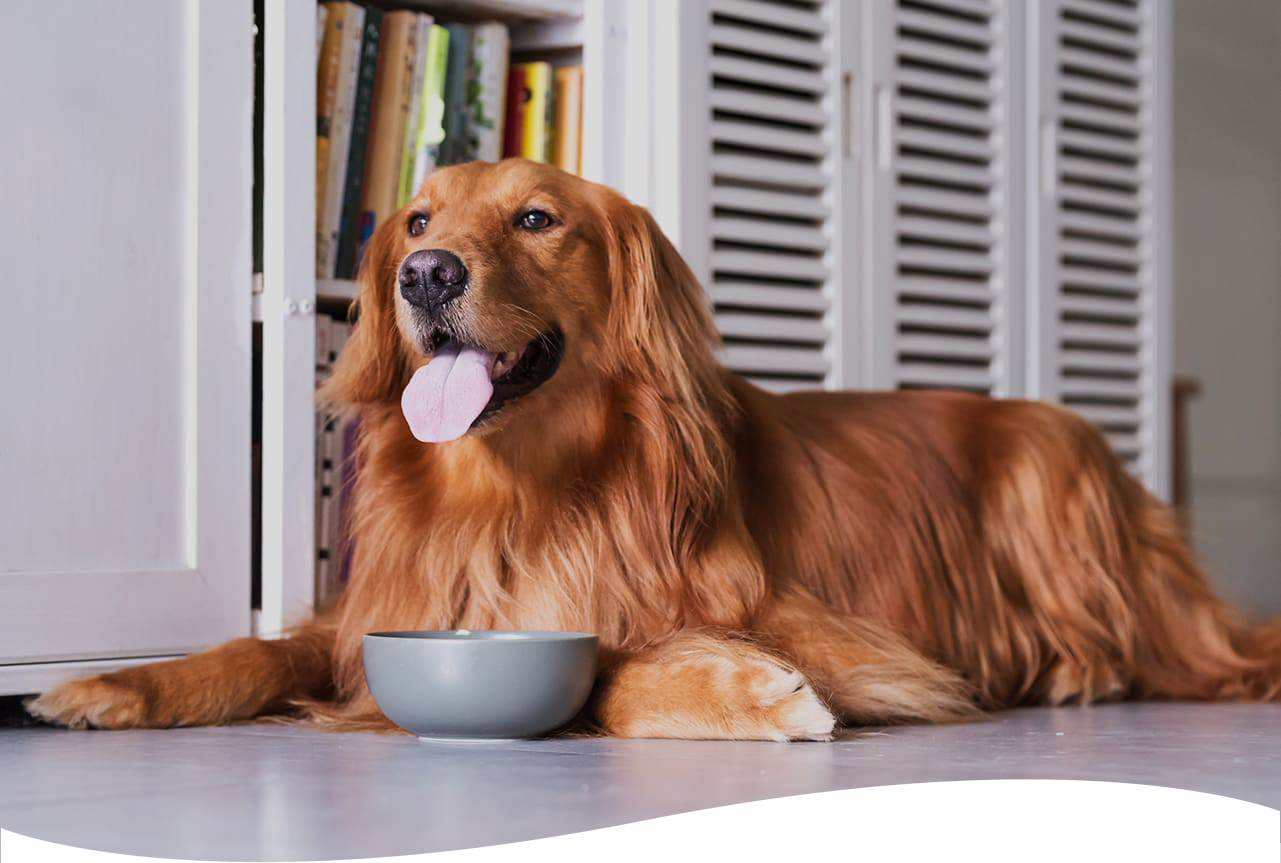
pixel 756 566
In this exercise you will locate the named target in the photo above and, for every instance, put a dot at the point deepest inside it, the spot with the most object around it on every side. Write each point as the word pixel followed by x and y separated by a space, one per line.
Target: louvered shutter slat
pixel 767 45
pixel 1100 64
pixel 1118 122
pixel 1085 361
pixel 945 346
pixel 945 318
pixel 768 74
pixel 770 139
pixel 770 202
pixel 771 328
pixel 1100 254
pixel 1093 170
pixel 944 290
pixel 945 230
pixel 744 294
pixel 1075 276
pixel 1112 307
pixel 1099 335
pixel 943 201
pixel 1112 13
pixel 945 375
pixel 936 112
pixel 768 265
pixel 802 363
pixel 1098 146
pixel 769 234
pixel 980 176
pixel 769 14
pixel 935 53
pixel 775 172
pixel 957 146
pixel 767 106
pixel 948 85
pixel 947 27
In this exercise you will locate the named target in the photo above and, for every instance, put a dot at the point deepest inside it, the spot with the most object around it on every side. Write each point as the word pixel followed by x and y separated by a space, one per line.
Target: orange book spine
pixel 567 143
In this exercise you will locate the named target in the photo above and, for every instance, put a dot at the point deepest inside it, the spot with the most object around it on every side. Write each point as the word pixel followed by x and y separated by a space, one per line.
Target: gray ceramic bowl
pixel 480 684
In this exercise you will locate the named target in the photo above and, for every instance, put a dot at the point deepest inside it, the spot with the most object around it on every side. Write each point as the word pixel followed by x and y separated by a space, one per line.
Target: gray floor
pixel 272 793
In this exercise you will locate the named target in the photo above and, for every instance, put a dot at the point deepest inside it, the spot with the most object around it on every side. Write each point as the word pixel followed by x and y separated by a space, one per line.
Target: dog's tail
pixel 1195 645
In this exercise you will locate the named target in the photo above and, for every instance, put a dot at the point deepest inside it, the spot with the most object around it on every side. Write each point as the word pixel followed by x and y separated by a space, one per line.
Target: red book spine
pixel 515 121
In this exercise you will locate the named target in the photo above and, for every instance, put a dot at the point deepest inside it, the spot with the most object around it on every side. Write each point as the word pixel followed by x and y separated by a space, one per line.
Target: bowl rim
pixel 482 636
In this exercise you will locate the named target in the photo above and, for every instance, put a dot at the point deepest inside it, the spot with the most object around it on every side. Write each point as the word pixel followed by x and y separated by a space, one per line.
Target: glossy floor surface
pixel 271 793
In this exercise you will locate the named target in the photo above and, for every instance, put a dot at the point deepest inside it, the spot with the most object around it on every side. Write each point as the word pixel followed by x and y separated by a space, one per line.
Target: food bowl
pixel 462 684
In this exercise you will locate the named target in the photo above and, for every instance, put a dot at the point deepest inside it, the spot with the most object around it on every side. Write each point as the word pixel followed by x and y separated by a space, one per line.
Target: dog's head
pixel 510 287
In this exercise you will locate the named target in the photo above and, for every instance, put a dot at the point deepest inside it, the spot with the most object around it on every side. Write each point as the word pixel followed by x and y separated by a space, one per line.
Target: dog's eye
pixel 533 220
pixel 417 224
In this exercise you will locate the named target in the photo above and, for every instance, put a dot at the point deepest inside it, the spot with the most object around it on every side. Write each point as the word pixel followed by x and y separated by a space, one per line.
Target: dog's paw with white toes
pixel 711 689
pixel 787 707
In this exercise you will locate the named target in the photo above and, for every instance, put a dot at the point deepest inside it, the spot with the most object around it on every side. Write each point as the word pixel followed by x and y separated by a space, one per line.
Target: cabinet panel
pixel 124 454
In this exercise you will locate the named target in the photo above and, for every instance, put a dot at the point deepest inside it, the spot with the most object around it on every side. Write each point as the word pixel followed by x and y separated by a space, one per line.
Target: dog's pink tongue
pixel 445 396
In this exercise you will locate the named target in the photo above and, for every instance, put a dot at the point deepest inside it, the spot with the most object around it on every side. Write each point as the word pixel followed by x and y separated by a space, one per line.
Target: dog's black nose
pixel 432 278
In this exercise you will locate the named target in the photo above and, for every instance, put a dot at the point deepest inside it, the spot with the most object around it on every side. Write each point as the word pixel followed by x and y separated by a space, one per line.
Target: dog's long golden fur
pixel 756 566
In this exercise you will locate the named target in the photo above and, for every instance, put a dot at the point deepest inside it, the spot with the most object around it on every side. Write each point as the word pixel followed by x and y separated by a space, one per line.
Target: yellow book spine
pixel 327 95
pixel 538 82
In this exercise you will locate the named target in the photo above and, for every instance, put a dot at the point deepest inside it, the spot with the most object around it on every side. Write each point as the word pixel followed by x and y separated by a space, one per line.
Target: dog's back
pixel 1002 538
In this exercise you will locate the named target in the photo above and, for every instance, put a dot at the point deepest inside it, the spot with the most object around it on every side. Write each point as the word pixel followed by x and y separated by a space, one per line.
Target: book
pixel 539 112
pixel 335 453
pixel 409 152
pixel 351 27
pixel 567 143
pixel 457 147
pixel 326 94
pixel 487 90
pixel 345 266
pixel 431 118
pixel 517 99
pixel 392 91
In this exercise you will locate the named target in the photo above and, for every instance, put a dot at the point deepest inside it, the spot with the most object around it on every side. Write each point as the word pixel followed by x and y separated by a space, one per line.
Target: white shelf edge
pixel 549 34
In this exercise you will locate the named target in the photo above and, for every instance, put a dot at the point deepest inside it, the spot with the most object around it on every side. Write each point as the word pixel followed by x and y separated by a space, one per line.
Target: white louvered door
pixel 960 194
pixel 1101 305
pixel 943 264
pixel 773 91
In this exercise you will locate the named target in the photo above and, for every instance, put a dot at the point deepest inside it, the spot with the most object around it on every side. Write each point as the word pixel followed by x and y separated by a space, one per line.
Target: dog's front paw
pixel 711 689
pixel 783 706
pixel 92 702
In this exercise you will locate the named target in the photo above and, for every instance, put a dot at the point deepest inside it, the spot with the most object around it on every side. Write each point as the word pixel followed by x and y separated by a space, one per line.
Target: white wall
pixel 1227 284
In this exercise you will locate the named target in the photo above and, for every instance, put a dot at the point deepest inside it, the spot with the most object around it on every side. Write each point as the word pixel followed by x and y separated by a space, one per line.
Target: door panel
pixel 124 454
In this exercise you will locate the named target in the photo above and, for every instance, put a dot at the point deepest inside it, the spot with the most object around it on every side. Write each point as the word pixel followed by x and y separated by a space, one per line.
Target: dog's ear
pixel 659 317
pixel 373 366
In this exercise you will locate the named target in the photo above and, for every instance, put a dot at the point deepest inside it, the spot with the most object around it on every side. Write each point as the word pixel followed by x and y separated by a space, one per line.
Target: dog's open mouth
pixel 463 385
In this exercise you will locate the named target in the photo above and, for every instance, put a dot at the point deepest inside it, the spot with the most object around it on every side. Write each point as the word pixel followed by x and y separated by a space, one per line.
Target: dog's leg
pixel 238 680
pixel 864 671
pixel 709 685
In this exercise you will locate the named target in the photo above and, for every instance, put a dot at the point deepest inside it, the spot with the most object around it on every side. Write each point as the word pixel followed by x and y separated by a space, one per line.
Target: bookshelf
pixel 288 295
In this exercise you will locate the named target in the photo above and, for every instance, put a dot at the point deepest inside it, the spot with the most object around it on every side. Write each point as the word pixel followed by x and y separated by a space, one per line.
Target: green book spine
pixel 348 239
pixel 431 129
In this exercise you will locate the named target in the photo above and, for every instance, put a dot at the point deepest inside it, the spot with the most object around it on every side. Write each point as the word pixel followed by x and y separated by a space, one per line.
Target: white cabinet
pixel 125 339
